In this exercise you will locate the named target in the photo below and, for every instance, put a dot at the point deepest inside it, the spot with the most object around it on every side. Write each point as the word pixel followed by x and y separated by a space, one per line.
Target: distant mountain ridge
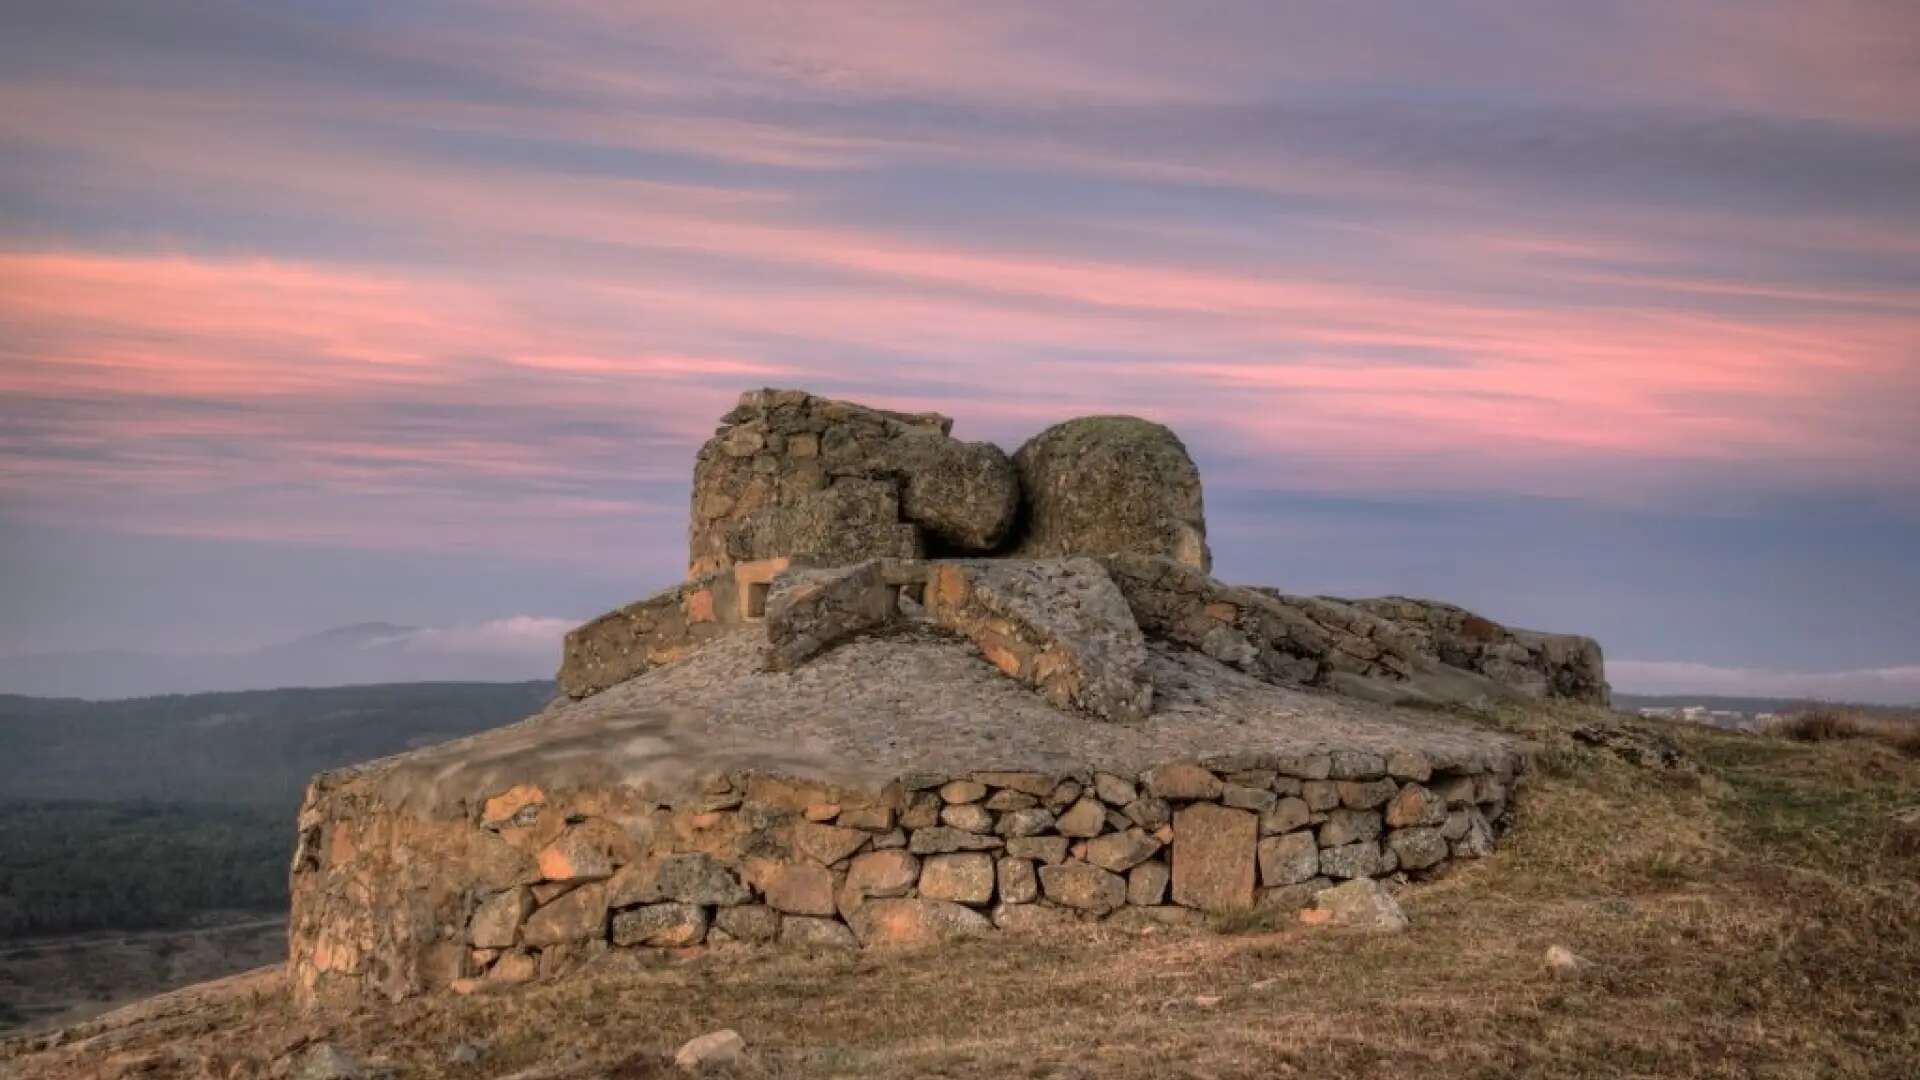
pixel 519 648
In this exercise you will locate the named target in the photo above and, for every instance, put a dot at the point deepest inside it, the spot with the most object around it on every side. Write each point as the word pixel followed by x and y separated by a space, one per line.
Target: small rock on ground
pixel 723 1047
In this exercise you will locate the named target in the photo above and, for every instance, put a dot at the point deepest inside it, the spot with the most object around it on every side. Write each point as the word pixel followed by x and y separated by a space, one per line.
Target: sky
pixel 1592 316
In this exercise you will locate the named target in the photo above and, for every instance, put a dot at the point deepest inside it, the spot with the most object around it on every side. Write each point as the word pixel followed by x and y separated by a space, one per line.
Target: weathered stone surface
pixel 1305 766
pixel 1477 842
pixel 577 916
pixel 1088 888
pixel 1017 882
pixel 514 967
pixel 1183 780
pixel 940 839
pixel 578 855
pixel 1284 816
pixel 1031 918
pixel 922 811
pixel 759 481
pixel 1121 851
pixel 964 878
pixel 800 889
pixel 1038 785
pixel 883 873
pixel 692 878
pixel 1046 849
pixel 1060 626
pixel 851 521
pixel 1409 765
pixel 1356 765
pixel 497 920
pixel 958 792
pixel 1084 819
pixel 1360 905
pixel 714 1050
pixel 1366 794
pixel 1106 484
pixel 1355 860
pixel 1007 799
pixel 1244 797
pixel 873 819
pixel 1348 826
pixel 1294 897
pixel 755 924
pixel 1415 805
pixel 806 932
pixel 1114 790
pixel 969 817
pixel 964 495
pixel 1320 795
pixel 1147 883
pixel 925 921
pixel 1149 812
pixel 668 925
pixel 1417 848
pixel 1063 795
pixel 1529 662
pixel 810 611
pixel 1022 823
pixel 1213 857
pixel 1288 859
pixel 634 639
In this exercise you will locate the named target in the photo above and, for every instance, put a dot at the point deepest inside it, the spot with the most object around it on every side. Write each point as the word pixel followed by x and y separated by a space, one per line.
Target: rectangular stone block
pixel 1213 857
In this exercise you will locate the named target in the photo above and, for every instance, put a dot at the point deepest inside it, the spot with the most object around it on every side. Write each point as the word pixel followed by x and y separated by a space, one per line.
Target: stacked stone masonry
pixel 524 886
pixel 1108 732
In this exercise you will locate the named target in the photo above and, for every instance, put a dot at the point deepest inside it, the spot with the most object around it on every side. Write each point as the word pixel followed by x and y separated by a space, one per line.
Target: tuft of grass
pixel 1830 723
pixel 1818 725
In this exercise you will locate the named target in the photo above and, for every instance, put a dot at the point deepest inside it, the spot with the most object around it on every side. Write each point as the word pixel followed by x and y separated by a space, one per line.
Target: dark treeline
pixel 142 813
pixel 256 747
pixel 70 865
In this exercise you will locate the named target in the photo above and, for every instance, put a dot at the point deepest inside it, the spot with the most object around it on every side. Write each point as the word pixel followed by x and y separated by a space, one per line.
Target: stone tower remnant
pixel 914 689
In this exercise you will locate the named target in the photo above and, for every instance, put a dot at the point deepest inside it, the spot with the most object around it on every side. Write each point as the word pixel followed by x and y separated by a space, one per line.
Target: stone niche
pixel 914 689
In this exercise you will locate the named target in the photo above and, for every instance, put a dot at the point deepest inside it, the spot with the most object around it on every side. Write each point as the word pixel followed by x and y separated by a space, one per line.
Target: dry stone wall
pixel 792 475
pixel 527 884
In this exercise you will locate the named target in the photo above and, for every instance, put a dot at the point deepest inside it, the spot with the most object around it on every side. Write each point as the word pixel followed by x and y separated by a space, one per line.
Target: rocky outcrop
pixel 1101 485
pixel 791 475
pixel 1532 663
pixel 1292 639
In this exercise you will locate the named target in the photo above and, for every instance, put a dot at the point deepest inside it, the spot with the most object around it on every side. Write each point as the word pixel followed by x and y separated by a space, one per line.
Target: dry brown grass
pixel 1758 918
pixel 1901 731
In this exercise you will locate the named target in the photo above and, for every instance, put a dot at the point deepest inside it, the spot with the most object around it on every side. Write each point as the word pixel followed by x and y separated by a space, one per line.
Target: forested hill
pixel 156 812
pixel 256 747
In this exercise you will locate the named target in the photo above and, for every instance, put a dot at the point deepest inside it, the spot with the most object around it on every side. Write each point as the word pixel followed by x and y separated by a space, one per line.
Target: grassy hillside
pixel 1749 907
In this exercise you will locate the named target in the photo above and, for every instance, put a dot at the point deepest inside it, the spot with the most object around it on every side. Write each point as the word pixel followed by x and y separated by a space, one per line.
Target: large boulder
pixel 789 474
pixel 1103 485
pixel 1059 625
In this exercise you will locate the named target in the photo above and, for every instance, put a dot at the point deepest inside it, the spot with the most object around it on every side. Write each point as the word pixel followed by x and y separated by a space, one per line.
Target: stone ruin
pixel 914 689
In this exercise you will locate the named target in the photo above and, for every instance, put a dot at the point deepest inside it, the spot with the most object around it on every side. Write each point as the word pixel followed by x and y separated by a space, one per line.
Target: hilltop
pixel 1748 908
